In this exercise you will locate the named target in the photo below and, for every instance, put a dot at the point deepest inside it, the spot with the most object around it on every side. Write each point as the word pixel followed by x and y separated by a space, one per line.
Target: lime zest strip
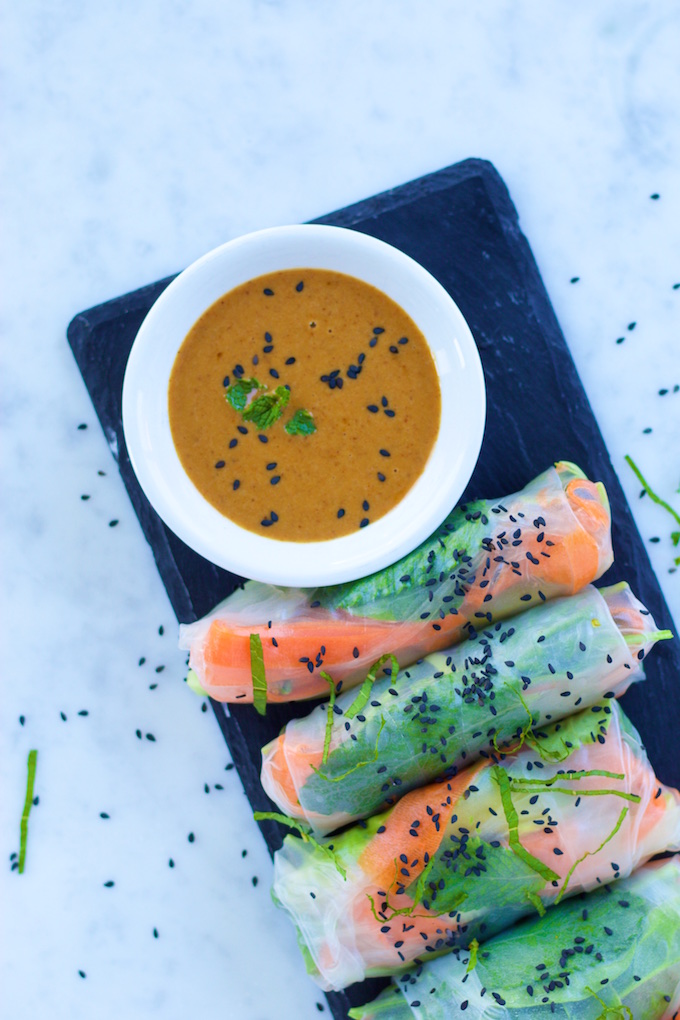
pixel 258 674
pixel 30 782
pixel 291 823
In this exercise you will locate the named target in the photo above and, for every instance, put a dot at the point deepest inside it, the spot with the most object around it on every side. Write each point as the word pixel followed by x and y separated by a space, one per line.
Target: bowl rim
pixel 263 557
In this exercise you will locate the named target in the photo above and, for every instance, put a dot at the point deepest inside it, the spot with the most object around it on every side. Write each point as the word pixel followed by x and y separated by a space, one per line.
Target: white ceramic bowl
pixel 180 504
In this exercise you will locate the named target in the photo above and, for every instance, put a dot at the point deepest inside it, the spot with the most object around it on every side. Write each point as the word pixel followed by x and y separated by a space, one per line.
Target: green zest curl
pixel 30 781
pixel 276 816
pixel 258 674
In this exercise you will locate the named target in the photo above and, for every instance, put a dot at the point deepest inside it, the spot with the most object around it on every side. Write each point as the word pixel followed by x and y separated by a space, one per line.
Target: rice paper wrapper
pixel 614 953
pixel 488 560
pixel 353 759
pixel 467 857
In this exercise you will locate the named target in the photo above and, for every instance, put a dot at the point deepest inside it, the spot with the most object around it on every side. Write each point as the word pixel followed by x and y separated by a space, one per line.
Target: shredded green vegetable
pixel 512 818
pixel 359 764
pixel 30 782
pixel 590 853
pixel 291 823
pixel 364 694
pixel 533 784
pixel 472 963
pixel 258 674
pixel 537 902
pixel 620 1012
pixel 675 535
pixel 329 718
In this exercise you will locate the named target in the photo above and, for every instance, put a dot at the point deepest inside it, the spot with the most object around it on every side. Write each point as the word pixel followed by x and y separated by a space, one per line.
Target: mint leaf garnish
pixel 237 394
pixel 267 408
pixel 301 424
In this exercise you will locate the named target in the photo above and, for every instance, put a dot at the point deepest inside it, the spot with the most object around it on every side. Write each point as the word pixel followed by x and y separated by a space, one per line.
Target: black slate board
pixel 462 226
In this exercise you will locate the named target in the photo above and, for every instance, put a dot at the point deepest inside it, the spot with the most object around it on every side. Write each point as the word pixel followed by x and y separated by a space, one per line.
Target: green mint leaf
pixel 267 408
pixel 237 394
pixel 301 424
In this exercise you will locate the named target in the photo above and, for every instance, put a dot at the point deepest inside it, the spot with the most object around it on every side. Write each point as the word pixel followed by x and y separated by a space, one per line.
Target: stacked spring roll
pixel 488 560
pixel 614 953
pixel 349 759
pixel 466 857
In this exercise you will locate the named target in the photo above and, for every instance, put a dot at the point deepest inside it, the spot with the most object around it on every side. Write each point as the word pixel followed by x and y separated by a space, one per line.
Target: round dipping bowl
pixel 262 557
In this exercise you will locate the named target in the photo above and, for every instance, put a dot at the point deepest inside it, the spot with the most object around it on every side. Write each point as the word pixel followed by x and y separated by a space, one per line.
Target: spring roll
pixel 488 560
pixel 611 955
pixel 467 857
pixel 352 759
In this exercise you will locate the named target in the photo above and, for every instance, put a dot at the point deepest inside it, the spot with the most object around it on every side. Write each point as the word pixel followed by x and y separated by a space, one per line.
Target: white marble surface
pixel 136 137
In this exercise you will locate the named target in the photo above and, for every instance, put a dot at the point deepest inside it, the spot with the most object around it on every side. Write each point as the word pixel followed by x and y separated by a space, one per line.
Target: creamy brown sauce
pixel 376 412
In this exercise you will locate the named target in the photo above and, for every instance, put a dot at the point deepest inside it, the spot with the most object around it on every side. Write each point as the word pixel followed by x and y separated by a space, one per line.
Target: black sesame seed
pixel 341 512
pixel 355 653
pixel 268 292
pixel 233 443
pixel 109 884
pixel 225 381
pixel 298 287
pixel 191 837
pixel 290 361
pixel 372 408
pixel 381 477
pixel 363 522
pixel 112 524
pixel 275 479
pixel 242 429
pixel 254 880
pixel 236 484
pixel 384 453
pixel 263 439
pixel 378 329
pixel 273 373
pixel 219 464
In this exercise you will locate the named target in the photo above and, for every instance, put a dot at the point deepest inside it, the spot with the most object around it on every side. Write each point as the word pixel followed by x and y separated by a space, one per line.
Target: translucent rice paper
pixel 466 858
pixel 614 953
pixel 453 706
pixel 488 560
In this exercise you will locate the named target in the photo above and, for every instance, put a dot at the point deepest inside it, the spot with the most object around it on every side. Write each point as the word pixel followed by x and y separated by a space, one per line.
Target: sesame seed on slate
pixel 142 661
pixel 155 933
pixel 320 1007
pixel 171 863
pixel 631 326
pixel 82 973
pixel 84 498
pixel 22 720
pixel 82 426
pixel 151 737
pixel 575 279
pixel 103 814
pixel 63 716
pixel 83 711
pixel 138 734
pixel 655 196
